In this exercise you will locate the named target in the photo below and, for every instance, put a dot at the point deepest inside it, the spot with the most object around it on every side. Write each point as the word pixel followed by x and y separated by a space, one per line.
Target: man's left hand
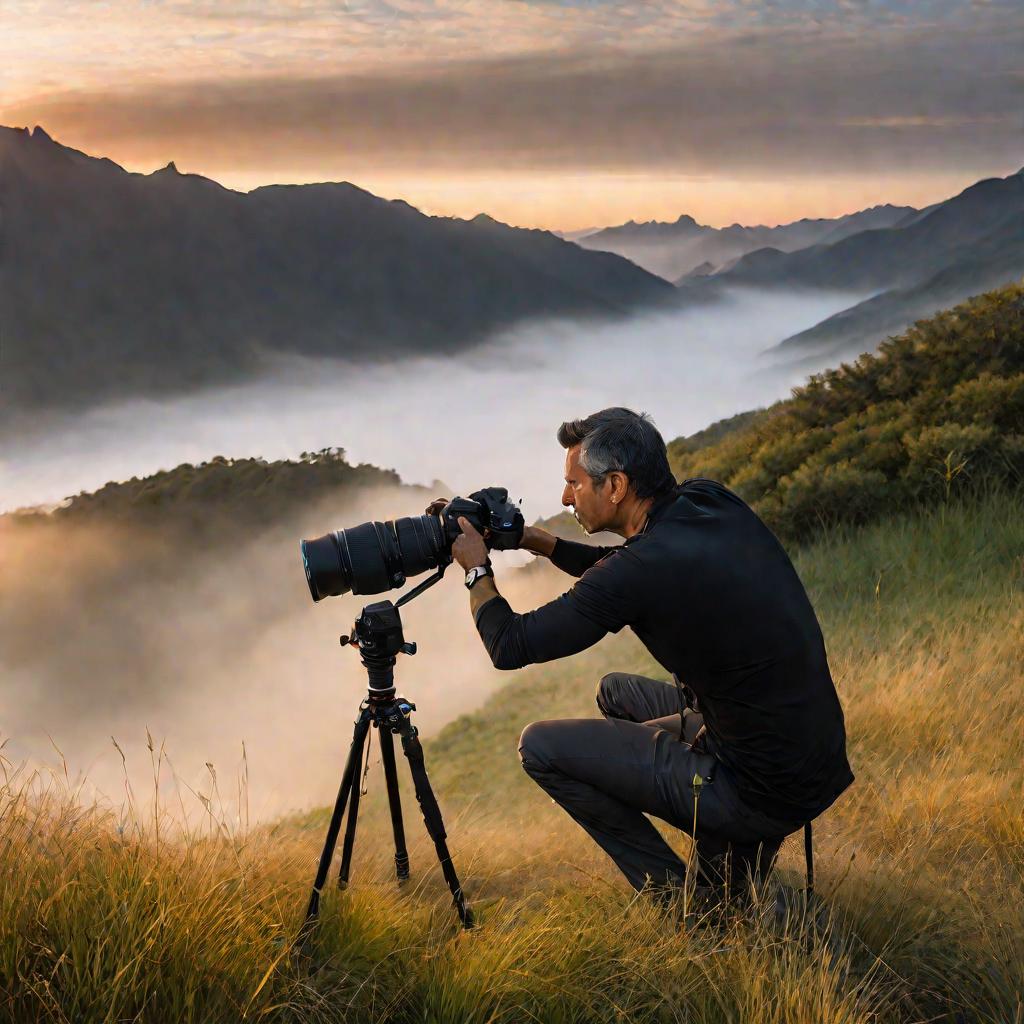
pixel 469 549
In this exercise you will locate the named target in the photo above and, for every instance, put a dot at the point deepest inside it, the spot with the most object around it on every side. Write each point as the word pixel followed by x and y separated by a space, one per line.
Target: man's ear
pixel 620 486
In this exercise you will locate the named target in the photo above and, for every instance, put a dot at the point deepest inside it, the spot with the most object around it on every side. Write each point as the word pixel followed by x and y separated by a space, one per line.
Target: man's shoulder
pixel 702 485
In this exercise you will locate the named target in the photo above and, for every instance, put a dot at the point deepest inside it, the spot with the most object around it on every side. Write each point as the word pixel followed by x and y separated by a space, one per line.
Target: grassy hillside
pixel 939 410
pixel 922 861
pixel 897 483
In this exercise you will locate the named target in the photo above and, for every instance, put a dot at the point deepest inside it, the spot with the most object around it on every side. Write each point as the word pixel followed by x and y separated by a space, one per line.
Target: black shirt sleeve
pixel 602 601
pixel 555 630
pixel 576 558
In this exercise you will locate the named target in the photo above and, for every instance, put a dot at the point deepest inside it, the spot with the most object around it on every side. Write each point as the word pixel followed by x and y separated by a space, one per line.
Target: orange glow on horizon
pixel 567 200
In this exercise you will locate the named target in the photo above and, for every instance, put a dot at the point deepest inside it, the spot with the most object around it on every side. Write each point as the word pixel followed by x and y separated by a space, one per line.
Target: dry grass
pixel 106 917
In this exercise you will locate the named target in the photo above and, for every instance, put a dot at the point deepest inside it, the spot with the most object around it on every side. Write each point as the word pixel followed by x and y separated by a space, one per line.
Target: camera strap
pixel 424 585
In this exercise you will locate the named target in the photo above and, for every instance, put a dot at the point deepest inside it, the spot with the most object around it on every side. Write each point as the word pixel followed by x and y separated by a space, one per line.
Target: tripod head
pixel 378 635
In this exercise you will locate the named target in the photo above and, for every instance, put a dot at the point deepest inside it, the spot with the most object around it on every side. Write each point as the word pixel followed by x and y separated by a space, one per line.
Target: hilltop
pixel 249 493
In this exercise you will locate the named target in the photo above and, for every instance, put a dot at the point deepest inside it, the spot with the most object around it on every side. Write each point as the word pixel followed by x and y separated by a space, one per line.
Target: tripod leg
pixel 432 818
pixel 350 823
pixel 387 755
pixel 355 756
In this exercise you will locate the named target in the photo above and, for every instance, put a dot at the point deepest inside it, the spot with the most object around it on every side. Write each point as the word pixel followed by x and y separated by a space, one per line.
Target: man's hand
pixel 534 539
pixel 469 549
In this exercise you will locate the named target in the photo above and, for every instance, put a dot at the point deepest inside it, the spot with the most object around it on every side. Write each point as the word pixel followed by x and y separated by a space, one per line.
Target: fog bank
pixel 109 631
pixel 485 417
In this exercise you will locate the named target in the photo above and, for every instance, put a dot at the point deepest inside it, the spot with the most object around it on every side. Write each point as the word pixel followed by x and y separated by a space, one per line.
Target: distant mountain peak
pixel 170 170
pixel 39 134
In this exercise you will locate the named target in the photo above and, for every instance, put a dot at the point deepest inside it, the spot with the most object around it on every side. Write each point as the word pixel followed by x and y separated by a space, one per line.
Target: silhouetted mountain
pixel 116 283
pixel 896 257
pixel 928 260
pixel 675 249
pixel 987 264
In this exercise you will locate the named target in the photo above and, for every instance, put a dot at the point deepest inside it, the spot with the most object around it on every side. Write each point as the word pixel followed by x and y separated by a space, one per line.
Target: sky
pixel 561 114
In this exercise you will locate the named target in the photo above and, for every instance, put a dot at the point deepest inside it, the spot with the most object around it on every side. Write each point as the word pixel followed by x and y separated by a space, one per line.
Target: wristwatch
pixel 476 573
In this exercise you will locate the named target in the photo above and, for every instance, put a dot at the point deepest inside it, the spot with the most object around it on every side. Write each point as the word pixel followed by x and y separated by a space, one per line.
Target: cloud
pixel 830 105
pixel 382 92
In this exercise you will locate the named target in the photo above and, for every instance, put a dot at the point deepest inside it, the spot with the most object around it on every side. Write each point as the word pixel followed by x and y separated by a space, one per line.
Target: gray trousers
pixel 609 773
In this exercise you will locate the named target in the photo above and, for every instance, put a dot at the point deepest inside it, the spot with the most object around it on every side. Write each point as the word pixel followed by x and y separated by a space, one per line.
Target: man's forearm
pixel 483 591
pixel 539 541
pixel 499 627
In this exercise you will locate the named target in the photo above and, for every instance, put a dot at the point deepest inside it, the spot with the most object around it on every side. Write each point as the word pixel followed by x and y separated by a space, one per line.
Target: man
pixel 750 743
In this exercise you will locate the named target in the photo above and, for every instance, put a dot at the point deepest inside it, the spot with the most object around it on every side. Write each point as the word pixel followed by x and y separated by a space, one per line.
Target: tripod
pixel 378 636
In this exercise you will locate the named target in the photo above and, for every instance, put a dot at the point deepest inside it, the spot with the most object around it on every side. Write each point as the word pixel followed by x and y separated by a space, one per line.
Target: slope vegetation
pixel 939 409
pixel 921 863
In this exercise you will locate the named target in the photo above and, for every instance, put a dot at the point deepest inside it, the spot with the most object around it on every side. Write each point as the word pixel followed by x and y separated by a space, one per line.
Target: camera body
pixel 491 514
pixel 378 556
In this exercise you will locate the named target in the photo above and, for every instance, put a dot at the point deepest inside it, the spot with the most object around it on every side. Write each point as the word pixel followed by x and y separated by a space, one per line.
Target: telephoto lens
pixel 373 557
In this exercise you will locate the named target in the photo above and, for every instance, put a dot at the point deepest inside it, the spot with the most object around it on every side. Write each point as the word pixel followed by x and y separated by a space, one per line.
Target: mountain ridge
pixel 881 257
pixel 674 249
pixel 130 284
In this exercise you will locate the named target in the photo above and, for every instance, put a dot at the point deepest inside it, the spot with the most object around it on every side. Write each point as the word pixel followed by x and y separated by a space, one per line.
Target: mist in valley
pixel 109 634
pixel 107 631
pixel 486 416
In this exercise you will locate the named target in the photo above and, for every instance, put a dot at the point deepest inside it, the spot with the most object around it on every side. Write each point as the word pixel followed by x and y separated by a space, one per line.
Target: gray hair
pixel 620 439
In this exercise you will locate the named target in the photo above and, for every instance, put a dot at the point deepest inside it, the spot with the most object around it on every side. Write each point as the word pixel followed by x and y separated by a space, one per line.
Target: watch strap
pixel 477 572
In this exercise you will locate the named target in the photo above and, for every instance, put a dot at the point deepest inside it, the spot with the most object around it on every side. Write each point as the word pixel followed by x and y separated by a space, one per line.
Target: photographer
pixel 748 743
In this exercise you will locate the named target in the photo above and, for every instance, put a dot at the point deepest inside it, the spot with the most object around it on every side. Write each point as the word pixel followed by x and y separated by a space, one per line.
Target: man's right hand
pixel 534 539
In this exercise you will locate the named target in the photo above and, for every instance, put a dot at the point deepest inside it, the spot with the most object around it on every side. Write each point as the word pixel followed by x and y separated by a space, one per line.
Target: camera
pixel 378 556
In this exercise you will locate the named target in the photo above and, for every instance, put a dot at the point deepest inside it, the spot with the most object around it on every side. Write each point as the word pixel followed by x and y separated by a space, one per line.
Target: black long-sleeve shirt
pixel 713 596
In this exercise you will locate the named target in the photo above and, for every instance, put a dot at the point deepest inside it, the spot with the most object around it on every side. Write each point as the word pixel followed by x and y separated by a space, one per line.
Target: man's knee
pixel 608 691
pixel 534 746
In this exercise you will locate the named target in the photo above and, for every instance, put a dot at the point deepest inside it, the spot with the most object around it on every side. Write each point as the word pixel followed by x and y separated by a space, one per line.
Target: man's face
pixel 593 507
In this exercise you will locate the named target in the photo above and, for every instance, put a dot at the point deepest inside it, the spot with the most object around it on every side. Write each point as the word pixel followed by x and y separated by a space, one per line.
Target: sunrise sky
pixel 551 113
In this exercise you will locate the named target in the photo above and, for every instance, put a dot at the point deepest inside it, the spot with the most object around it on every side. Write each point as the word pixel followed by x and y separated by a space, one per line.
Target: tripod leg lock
pixel 402 866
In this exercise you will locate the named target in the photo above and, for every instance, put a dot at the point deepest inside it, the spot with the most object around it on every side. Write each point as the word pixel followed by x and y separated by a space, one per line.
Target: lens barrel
pixel 372 557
